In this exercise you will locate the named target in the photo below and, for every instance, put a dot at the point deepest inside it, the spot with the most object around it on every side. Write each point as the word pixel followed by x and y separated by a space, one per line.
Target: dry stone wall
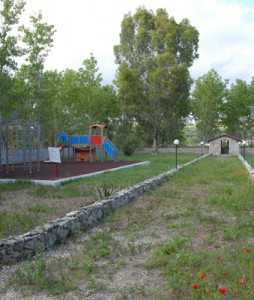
pixel 46 237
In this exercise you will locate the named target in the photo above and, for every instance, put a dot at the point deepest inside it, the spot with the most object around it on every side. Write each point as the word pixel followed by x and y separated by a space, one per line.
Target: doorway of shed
pixel 224 146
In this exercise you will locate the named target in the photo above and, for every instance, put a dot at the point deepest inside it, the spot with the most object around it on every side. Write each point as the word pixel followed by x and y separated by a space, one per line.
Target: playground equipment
pixel 86 147
pixel 19 145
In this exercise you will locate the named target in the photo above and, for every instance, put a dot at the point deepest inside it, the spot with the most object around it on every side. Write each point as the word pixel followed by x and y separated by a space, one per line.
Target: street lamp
pixel 176 142
pixel 202 147
pixel 244 144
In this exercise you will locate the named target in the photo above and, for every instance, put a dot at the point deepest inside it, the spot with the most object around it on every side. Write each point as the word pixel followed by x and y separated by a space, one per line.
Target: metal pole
pixel 176 156
pixel 30 147
pixel 37 137
pixel 7 147
pixel 1 144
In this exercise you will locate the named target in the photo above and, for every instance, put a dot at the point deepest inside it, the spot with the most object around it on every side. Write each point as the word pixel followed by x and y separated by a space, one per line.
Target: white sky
pixel 226 29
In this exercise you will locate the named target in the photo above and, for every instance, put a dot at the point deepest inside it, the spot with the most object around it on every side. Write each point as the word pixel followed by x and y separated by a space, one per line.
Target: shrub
pixel 130 144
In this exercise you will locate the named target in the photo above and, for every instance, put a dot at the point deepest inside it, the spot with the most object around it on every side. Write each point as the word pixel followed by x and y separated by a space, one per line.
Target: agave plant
pixel 104 191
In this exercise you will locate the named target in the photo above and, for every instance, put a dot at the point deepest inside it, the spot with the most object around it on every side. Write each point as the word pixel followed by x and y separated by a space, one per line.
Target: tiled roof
pixel 225 136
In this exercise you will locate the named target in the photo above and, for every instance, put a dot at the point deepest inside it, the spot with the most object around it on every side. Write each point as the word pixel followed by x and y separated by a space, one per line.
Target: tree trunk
pixel 155 141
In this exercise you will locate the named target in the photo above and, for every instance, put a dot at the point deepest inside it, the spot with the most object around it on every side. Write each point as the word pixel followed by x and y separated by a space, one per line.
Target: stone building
pixel 224 144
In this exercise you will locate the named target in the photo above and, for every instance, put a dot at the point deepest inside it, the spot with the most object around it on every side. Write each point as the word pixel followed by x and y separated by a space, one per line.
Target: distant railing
pixel 180 149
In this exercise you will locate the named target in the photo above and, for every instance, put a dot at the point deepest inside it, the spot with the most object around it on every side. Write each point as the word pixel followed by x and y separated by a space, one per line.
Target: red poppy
pixel 248 251
pixel 195 287
pixel 224 274
pixel 219 258
pixel 202 276
pixel 239 172
pixel 223 291
pixel 242 281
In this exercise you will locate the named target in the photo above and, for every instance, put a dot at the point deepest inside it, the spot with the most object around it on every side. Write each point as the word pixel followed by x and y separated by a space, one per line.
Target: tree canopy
pixel 206 105
pixel 154 55
pixel 151 99
pixel 238 109
pixel 10 12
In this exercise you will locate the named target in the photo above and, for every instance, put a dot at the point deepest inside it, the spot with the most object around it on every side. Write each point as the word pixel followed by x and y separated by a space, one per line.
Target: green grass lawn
pixel 15 222
pixel 212 250
pixel 193 237
pixel 250 160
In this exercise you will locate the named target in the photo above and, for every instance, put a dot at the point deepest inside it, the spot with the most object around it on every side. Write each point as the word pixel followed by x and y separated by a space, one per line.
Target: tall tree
pixel 81 92
pixel 238 109
pixel 250 135
pixel 106 108
pixel 154 55
pixel 57 119
pixel 10 12
pixel 39 40
pixel 85 99
pixel 89 80
pixel 70 98
pixel 20 96
pixel 206 104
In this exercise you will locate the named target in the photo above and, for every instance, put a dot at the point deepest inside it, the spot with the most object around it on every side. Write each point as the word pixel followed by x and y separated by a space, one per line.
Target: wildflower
pixel 202 276
pixel 195 287
pixel 247 250
pixel 218 258
pixel 222 291
pixel 242 281
pixel 224 274
pixel 239 172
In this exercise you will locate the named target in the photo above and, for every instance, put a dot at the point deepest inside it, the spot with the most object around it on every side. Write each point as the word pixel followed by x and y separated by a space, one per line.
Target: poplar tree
pixel 207 103
pixel 238 109
pixel 38 41
pixel 10 12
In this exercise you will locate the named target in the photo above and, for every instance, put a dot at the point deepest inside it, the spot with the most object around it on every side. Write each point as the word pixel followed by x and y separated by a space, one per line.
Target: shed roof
pixel 225 136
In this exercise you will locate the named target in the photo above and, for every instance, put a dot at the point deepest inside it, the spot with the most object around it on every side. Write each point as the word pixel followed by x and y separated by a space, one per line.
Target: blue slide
pixel 111 150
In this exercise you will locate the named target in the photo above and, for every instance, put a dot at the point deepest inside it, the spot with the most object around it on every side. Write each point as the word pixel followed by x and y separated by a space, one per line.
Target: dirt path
pixel 128 238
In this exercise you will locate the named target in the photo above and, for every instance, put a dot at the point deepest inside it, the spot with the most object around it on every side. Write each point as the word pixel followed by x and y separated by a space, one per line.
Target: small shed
pixel 224 144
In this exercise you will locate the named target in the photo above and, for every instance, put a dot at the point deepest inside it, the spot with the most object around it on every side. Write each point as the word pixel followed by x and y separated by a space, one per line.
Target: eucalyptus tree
pixel 154 55
pixel 10 12
pixel 206 103
pixel 38 41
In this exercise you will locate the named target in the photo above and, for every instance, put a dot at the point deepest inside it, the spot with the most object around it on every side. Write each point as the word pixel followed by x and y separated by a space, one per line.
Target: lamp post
pixel 244 144
pixel 176 142
pixel 202 147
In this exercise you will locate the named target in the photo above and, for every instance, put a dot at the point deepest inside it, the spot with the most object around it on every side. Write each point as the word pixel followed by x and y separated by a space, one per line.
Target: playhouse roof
pixel 99 126
pixel 225 136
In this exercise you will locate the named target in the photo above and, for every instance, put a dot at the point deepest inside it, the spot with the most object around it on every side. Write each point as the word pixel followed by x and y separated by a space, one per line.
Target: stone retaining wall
pixel 46 237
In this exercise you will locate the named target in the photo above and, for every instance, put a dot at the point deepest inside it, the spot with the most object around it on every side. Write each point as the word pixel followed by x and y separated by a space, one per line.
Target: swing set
pixel 19 145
